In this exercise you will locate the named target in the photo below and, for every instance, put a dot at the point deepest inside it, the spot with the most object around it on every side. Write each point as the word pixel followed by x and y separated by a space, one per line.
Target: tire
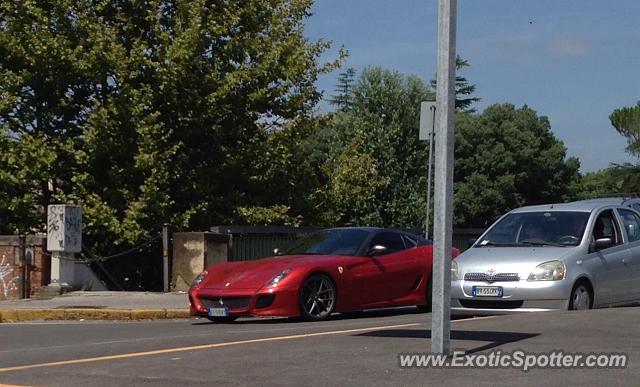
pixel 429 296
pixel 223 320
pixel 317 298
pixel 581 297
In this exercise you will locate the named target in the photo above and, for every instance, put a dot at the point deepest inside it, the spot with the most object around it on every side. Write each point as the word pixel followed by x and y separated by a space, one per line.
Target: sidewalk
pixel 107 305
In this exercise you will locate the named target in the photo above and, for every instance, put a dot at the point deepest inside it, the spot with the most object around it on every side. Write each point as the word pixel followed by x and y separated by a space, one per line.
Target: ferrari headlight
pixel 548 271
pixel 454 270
pixel 278 278
pixel 199 278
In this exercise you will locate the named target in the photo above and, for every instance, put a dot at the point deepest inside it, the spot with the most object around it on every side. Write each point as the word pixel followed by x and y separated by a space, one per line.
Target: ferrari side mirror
pixel 376 251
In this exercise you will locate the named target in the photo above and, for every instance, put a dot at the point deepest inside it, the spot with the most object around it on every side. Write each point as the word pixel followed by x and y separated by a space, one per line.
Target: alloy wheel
pixel 318 297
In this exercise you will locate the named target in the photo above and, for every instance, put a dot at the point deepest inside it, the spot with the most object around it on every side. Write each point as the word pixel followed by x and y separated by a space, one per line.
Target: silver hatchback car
pixel 577 255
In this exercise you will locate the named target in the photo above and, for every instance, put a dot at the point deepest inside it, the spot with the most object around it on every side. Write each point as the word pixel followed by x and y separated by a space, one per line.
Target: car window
pixel 553 228
pixel 392 241
pixel 409 241
pixel 606 227
pixel 333 241
pixel 631 223
pixel 635 206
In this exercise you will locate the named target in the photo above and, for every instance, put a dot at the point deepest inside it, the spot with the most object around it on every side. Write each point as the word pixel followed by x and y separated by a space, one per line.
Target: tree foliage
pixel 341 100
pixel 464 90
pixel 147 112
pixel 374 159
pixel 612 181
pixel 626 120
pixel 506 158
pixel 201 112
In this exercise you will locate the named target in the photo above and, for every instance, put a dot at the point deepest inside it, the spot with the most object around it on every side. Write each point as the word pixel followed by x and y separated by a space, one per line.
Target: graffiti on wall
pixel 55 230
pixel 73 229
pixel 64 228
pixel 7 282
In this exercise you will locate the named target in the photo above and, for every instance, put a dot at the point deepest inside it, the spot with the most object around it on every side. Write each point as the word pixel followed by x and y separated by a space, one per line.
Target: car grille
pixel 265 301
pixel 229 302
pixel 491 304
pixel 484 277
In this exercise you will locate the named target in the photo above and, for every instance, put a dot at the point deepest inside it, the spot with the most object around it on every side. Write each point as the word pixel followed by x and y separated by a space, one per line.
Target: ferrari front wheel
pixel 317 297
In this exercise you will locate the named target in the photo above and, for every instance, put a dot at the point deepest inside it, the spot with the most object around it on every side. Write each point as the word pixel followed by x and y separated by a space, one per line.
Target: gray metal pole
pixel 430 162
pixel 165 258
pixel 443 182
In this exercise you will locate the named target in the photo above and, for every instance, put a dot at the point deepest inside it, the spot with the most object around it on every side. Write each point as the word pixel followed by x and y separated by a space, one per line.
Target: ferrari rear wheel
pixel 317 297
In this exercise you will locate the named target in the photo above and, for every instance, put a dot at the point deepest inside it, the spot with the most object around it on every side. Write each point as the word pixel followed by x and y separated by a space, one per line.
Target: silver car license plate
pixel 486 291
pixel 218 312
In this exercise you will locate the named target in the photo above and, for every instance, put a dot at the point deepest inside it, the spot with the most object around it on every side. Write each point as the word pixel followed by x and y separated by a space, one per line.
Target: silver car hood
pixel 521 260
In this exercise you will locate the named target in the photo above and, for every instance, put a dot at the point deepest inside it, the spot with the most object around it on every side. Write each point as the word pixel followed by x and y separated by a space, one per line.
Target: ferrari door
pixel 390 274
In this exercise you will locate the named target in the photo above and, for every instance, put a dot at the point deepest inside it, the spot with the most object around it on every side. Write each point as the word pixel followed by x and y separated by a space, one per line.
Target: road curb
pixel 18 315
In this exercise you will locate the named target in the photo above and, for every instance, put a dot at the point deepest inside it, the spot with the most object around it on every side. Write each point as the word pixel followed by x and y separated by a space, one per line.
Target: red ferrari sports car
pixel 334 270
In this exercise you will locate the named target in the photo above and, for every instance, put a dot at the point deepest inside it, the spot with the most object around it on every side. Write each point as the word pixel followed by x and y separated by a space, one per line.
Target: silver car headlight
pixel 548 271
pixel 278 278
pixel 454 270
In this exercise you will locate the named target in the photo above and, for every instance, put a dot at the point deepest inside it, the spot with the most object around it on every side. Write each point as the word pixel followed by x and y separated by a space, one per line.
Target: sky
pixel 574 61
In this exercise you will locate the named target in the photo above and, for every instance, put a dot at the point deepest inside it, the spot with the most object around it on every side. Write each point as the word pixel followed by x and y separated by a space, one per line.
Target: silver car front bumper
pixel 518 297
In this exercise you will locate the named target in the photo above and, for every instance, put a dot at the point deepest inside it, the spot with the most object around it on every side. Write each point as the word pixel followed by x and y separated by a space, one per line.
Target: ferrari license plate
pixel 486 291
pixel 218 312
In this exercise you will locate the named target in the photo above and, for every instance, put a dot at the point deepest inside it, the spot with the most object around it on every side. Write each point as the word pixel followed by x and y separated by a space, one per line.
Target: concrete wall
pixel 192 253
pixel 23 275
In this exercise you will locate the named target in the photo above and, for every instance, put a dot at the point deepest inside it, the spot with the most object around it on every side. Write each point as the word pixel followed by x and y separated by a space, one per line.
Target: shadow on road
pixel 493 338
pixel 388 312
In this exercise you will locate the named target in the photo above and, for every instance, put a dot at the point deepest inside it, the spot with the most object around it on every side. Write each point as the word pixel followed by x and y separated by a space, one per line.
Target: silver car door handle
pixel 624 260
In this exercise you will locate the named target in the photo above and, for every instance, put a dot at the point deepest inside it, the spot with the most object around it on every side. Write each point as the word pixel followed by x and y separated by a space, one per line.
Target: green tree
pixel 612 181
pixel 353 186
pixel 342 99
pixel 283 178
pixel 47 86
pixel 626 120
pixel 147 112
pixel 506 158
pixel 376 143
pixel 464 89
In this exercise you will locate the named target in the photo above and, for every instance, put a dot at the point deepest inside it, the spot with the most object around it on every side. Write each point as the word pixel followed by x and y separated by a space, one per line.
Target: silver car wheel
pixel 580 298
pixel 318 297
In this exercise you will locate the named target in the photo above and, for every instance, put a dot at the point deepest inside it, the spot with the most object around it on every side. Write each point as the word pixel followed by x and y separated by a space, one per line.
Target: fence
pixel 251 242
pixel 133 268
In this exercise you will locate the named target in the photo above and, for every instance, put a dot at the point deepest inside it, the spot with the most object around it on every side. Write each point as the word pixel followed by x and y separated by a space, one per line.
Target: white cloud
pixel 570 46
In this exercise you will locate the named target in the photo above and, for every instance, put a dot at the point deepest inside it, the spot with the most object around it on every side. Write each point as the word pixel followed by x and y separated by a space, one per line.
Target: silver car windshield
pixel 538 228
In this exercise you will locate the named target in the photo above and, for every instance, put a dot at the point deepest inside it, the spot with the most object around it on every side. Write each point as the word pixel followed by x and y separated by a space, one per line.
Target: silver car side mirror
pixel 603 243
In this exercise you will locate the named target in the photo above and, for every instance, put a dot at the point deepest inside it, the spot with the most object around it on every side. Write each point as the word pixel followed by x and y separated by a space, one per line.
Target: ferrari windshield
pixel 334 241
pixel 540 228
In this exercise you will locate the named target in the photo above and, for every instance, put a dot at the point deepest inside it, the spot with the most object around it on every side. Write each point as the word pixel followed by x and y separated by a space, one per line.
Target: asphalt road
pixel 360 350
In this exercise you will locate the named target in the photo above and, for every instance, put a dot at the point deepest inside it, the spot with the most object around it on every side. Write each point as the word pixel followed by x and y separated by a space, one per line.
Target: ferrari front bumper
pixel 245 302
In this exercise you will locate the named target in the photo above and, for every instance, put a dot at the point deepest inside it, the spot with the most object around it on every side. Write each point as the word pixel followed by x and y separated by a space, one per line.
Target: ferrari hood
pixel 253 274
